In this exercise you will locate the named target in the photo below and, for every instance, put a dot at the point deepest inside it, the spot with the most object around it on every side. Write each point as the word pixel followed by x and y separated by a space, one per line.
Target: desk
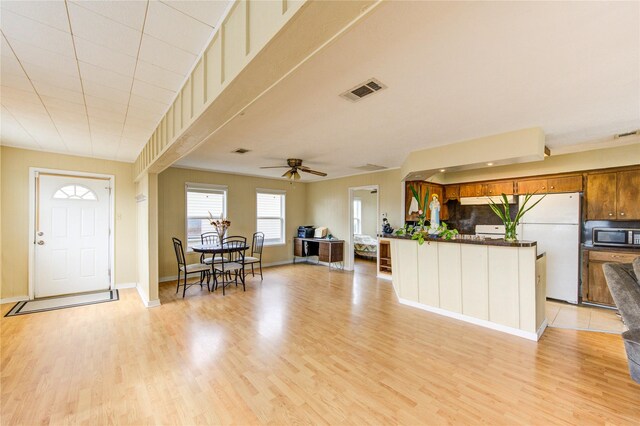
pixel 330 251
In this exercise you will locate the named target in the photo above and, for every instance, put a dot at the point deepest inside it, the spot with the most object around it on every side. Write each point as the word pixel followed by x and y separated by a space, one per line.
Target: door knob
pixel 40 243
pixel 40 234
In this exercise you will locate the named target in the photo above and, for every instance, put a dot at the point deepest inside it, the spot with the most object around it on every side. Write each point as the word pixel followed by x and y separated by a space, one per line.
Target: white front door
pixel 72 235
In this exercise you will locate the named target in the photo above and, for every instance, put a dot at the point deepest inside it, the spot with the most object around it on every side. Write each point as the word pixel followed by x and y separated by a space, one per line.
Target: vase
pixel 221 230
pixel 510 232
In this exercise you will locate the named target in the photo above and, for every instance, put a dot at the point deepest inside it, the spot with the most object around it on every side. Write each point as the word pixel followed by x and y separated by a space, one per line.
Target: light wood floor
pixel 307 345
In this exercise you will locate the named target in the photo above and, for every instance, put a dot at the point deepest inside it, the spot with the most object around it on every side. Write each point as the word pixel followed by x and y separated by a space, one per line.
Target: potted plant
pixel 503 212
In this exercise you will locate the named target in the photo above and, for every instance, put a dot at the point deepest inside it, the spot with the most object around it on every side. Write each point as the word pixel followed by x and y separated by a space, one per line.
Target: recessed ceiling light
pixel 489 164
pixel 443 170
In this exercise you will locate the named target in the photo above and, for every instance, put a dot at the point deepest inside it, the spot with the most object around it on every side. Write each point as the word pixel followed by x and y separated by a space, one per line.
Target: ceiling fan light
pixel 296 175
pixel 287 174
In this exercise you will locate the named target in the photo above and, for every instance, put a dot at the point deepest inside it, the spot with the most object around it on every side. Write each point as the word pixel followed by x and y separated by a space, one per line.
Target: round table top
pixel 217 248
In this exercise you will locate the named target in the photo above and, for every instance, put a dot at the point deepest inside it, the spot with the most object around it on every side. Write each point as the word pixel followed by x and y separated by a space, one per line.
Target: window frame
pixel 202 187
pixel 358 219
pixel 283 206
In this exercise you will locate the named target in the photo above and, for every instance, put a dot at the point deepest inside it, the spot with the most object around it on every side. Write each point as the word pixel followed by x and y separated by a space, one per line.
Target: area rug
pixel 53 303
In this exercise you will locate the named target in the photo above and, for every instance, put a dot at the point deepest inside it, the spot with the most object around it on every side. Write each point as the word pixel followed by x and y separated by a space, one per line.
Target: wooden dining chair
pixel 233 264
pixel 256 253
pixel 194 268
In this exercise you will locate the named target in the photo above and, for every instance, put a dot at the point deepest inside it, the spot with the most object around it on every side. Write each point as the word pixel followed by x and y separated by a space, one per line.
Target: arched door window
pixel 75 192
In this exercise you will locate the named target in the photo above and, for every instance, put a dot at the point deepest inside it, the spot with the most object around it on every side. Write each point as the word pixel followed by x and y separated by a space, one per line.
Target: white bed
pixel 365 246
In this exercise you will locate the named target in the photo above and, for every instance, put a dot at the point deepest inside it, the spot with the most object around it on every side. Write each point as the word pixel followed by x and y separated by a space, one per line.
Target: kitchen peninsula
pixel 491 283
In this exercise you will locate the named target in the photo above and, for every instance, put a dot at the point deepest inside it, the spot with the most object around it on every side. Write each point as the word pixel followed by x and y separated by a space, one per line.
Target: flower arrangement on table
pixel 221 225
pixel 419 231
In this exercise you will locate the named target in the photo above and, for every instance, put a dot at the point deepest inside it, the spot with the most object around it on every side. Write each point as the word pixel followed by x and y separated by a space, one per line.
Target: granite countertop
pixel 470 239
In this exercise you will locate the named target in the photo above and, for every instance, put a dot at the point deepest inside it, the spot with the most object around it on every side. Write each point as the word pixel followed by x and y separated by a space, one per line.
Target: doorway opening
pixel 364 207
pixel 70 233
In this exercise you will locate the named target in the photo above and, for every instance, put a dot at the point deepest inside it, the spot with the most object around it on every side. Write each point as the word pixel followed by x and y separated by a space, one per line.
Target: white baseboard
pixel 542 328
pixel 147 303
pixel 126 285
pixel 13 299
pixel 264 265
pixel 169 278
pixel 483 323
pixel 384 277
pixel 281 262
pixel 152 303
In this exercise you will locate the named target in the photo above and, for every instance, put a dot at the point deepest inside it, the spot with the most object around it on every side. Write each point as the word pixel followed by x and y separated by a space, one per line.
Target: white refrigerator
pixel 555 224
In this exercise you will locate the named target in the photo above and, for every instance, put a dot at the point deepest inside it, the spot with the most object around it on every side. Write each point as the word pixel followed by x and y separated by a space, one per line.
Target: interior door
pixel 72 235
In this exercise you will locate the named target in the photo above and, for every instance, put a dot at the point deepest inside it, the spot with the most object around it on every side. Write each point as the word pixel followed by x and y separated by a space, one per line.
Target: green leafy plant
pixel 503 212
pixel 422 206
pixel 443 232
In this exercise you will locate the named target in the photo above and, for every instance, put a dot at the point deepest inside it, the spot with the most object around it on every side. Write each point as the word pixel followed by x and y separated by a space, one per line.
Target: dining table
pixel 221 249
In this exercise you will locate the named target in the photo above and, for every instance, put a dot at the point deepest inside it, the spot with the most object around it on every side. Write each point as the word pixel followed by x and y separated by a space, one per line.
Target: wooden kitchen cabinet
pixel 497 188
pixel 422 188
pixel 628 195
pixel 473 190
pixel 565 184
pixel 594 284
pixel 613 195
pixel 533 185
pixel 451 192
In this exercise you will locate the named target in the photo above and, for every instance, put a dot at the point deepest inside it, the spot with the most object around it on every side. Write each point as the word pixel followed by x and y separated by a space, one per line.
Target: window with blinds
pixel 202 199
pixel 270 215
pixel 357 216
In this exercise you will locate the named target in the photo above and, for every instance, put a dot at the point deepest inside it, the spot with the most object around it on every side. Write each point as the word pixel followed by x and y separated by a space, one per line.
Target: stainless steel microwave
pixel 616 237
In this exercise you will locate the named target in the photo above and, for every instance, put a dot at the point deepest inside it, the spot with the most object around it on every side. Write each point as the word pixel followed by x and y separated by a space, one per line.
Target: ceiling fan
pixel 295 164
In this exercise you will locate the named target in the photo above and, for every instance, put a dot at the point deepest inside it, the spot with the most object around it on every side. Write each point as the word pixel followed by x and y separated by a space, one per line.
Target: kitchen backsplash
pixel 465 218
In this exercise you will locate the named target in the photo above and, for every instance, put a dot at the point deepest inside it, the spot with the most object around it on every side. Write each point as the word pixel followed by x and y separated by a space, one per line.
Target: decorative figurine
pixel 434 206
pixel 386 226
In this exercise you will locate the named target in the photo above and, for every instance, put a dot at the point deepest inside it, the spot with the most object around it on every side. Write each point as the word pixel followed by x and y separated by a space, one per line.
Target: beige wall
pixel 328 201
pixel 369 211
pixel 241 210
pixel 15 213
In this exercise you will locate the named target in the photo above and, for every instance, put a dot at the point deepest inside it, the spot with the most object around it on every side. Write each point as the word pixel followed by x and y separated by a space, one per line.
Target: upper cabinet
pixel 451 192
pixel 551 185
pixel 498 188
pixel 628 191
pixel 613 195
pixel 473 190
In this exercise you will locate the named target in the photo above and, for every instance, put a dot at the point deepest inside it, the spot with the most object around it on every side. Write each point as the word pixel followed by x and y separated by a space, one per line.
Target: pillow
pixel 636 268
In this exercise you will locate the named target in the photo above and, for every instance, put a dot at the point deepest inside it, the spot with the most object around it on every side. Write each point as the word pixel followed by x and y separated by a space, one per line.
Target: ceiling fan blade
pixel 313 172
pixel 275 167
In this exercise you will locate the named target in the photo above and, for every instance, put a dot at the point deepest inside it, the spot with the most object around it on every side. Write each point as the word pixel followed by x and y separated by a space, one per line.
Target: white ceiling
pixel 94 78
pixel 454 71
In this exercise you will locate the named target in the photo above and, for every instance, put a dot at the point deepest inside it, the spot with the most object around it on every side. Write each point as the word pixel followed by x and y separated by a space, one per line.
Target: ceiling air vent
pixel 370 168
pixel 361 90
pixel 240 151
pixel 623 135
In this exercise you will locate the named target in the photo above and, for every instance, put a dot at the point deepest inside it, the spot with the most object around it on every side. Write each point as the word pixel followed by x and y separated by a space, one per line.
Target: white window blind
pixel 270 215
pixel 357 216
pixel 202 199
